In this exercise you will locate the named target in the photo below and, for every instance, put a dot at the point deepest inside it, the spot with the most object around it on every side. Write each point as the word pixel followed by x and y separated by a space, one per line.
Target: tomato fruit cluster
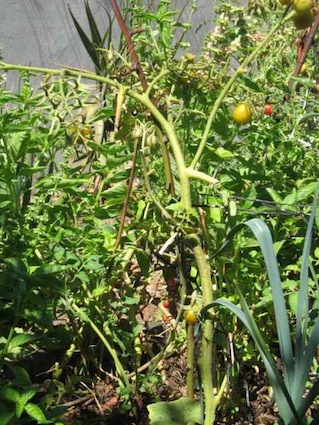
pixel 304 16
pixel 304 13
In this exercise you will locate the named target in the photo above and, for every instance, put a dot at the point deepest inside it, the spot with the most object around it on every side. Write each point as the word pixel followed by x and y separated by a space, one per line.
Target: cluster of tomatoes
pixel 243 113
pixel 304 12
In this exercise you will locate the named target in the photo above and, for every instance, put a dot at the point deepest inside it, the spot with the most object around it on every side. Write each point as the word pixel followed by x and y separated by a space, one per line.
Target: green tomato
pixel 302 7
pixel 302 22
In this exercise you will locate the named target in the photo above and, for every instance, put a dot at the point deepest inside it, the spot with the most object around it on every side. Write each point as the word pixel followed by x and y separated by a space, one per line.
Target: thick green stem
pixel 190 360
pixel 175 145
pixel 206 361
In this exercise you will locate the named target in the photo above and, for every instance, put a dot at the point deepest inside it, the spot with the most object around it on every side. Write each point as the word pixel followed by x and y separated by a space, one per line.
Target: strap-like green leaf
pixel 95 34
pixel 303 301
pixel 263 235
pixel 286 407
pixel 86 42
pixel 303 367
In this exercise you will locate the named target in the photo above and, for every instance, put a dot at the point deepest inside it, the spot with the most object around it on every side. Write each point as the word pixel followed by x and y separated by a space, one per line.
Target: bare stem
pixel 206 361
pixel 128 194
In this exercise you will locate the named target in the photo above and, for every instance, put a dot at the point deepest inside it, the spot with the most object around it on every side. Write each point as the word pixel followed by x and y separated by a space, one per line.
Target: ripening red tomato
pixel 268 109
pixel 166 303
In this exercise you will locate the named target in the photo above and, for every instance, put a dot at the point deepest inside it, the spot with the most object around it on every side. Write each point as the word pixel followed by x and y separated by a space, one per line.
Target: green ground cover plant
pixel 139 167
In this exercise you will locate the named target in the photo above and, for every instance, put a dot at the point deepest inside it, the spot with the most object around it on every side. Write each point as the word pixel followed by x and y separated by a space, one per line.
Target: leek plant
pixel 293 392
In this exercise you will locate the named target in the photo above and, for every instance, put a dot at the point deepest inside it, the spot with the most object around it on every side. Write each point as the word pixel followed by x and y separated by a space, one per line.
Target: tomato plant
pixel 146 199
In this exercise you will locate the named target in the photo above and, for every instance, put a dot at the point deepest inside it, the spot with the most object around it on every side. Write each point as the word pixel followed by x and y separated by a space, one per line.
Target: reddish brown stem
pixel 138 67
pixel 130 44
pixel 306 46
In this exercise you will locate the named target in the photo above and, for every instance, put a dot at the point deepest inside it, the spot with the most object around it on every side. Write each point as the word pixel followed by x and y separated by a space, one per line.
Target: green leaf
pixel 48 269
pixel 143 262
pixel 274 195
pixel 293 302
pixel 24 398
pixel 86 42
pixel 178 412
pixel 304 192
pixel 20 339
pixel 6 413
pixel 215 214
pixel 36 413
pixel 9 394
pixel 304 360
pixel 140 209
pixel 96 38
pixel 221 124
pixel 224 153
pixel 22 377
pixel 251 84
pixel 263 235
pixel 291 199
pixel 287 410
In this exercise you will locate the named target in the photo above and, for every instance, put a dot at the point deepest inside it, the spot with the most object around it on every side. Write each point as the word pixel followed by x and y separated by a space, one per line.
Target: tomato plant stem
pixel 190 360
pixel 206 361
pixel 119 367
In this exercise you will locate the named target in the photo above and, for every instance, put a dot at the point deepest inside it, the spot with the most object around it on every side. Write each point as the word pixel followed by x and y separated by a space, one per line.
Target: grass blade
pixel 303 301
pixel 95 34
pixel 286 407
pixel 86 42
pixel 263 235
pixel 303 369
pixel 108 33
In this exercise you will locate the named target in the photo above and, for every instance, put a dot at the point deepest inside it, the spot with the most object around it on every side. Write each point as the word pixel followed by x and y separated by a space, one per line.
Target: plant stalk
pixel 118 365
pixel 206 361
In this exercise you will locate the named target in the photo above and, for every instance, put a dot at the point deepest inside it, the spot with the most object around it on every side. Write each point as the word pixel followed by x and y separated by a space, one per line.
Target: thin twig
pixel 77 401
pixel 130 44
pixel 128 194
pixel 138 67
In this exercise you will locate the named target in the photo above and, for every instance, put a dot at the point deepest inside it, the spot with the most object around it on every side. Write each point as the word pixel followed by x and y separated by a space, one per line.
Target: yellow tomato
pixel 79 134
pixel 303 69
pixel 190 317
pixel 242 113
